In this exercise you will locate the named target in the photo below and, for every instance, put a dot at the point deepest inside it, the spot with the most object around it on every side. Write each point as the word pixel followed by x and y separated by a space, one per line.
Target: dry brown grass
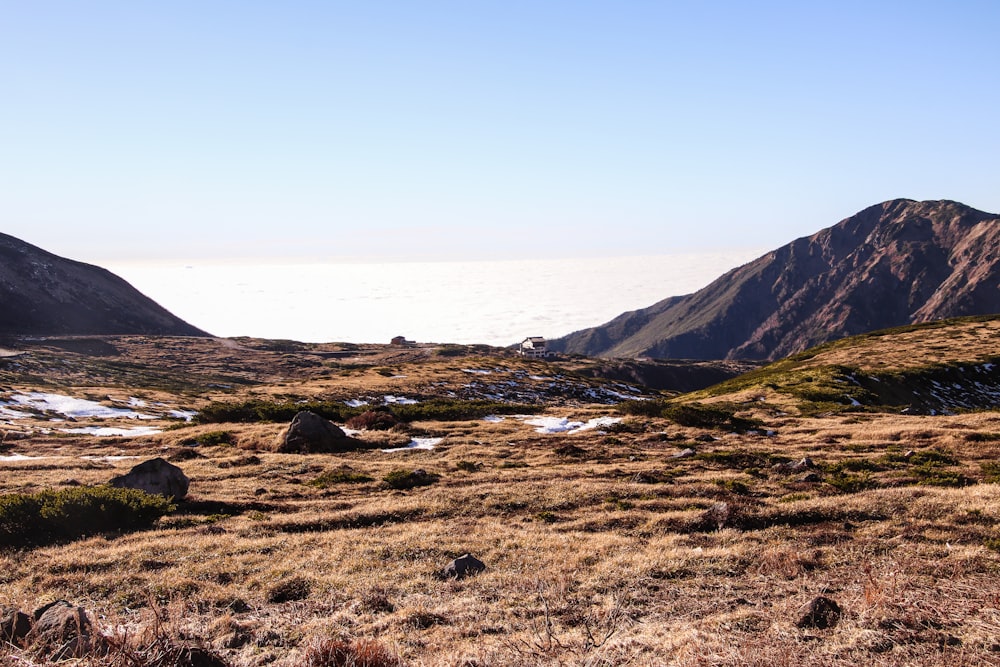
pixel 601 549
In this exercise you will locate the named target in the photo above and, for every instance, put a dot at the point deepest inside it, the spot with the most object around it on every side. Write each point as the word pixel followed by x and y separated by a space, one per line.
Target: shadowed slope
pixel 41 293
pixel 896 263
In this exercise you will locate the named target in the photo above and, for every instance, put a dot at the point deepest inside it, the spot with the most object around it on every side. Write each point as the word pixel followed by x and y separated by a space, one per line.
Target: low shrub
pixel 289 590
pixel 359 653
pixel 216 438
pixel 403 478
pixel 440 409
pixel 55 516
pixel 373 420
pixel 850 483
pixel 694 415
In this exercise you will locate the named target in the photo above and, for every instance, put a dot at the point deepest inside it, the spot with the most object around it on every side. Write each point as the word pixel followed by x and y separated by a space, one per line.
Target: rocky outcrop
pixel 43 294
pixel 63 630
pixel 311 434
pixel 155 476
pixel 896 263
pixel 463 566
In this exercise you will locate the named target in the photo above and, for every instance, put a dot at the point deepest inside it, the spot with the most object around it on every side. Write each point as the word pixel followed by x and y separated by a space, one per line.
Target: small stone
pixel 717 516
pixel 820 612
pixel 804 464
pixel 463 566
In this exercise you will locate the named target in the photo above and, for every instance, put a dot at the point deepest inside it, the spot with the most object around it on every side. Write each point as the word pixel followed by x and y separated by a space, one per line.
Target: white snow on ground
pixel 399 400
pixel 22 457
pixel 552 424
pixel 495 419
pixel 72 407
pixel 186 415
pixel 477 371
pixel 564 425
pixel 355 403
pixel 136 402
pixel 107 431
pixel 7 413
pixel 416 443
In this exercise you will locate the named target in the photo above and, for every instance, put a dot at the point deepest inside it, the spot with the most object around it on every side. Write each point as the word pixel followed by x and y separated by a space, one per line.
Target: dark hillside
pixel 896 263
pixel 43 294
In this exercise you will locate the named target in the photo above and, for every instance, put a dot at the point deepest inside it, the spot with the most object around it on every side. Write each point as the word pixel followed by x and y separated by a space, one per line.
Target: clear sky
pixel 433 130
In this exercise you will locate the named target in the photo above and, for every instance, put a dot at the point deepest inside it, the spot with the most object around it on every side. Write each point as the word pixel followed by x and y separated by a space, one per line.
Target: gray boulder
pixel 64 630
pixel 463 566
pixel 311 434
pixel 155 476
pixel 820 612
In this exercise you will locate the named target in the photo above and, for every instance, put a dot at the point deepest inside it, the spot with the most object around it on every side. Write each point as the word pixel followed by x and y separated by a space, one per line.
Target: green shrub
pixel 440 409
pixel 709 416
pixel 55 516
pixel 216 438
pixel 373 420
pixel 991 472
pixel 930 474
pixel 402 478
pixel 850 483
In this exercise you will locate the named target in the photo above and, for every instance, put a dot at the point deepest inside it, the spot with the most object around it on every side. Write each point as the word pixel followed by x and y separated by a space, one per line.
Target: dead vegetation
pixel 649 542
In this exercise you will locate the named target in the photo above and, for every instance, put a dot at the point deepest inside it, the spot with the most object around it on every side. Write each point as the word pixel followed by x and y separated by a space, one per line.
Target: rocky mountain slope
pixel 896 263
pixel 43 294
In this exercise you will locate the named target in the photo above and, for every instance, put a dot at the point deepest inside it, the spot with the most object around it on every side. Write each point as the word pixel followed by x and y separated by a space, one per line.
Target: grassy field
pixel 649 540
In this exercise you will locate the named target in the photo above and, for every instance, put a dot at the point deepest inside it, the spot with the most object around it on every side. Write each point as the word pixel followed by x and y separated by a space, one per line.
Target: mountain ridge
pixel 44 294
pixel 894 263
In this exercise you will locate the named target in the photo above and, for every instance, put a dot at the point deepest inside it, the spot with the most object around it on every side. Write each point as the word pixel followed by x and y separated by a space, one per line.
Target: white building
pixel 533 346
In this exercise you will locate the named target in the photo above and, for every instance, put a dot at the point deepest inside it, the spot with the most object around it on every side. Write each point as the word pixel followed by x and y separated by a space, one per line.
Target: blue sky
pixel 446 130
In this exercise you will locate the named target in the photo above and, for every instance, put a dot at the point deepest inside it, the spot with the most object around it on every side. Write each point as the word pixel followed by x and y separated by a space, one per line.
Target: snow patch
pixel 416 443
pixel 107 431
pixel 565 425
pixel 72 407
pixel 398 400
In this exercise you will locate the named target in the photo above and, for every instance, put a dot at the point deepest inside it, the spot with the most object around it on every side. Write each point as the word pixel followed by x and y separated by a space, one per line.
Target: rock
pixel 717 516
pixel 811 478
pixel 463 566
pixel 155 476
pixel 311 434
pixel 803 465
pixel 14 625
pixel 683 454
pixel 820 612
pixel 63 629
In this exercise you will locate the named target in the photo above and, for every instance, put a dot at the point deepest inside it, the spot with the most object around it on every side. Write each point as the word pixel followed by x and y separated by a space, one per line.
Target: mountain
pixel 896 263
pixel 43 294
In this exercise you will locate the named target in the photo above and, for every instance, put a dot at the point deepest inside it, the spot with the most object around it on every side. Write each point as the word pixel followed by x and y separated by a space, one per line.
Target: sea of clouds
pixel 496 302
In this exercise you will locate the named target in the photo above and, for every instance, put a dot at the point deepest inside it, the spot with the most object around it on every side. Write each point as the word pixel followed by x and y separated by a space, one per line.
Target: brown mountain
pixel 43 294
pixel 896 263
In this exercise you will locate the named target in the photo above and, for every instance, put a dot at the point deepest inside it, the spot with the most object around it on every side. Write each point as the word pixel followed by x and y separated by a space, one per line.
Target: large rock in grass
pixel 157 477
pixel 311 434
pixel 63 630
pixel 463 566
